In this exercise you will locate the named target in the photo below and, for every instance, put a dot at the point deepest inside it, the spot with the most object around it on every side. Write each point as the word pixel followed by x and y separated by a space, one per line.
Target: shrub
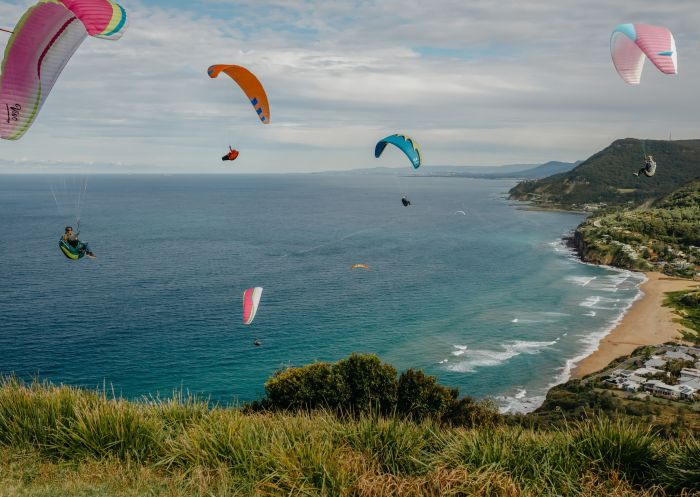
pixel 420 396
pixel 371 383
pixel 357 384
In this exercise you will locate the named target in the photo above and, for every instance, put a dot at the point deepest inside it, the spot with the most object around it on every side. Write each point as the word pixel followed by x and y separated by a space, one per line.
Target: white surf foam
pixel 479 358
pixel 538 317
pixel 618 279
pixel 591 341
pixel 581 280
pixel 460 350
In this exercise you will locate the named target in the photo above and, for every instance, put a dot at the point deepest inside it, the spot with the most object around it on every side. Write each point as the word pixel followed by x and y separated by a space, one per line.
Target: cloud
pixel 475 83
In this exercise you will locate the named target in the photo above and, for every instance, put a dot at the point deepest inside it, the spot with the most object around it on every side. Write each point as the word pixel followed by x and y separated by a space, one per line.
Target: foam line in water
pixel 478 358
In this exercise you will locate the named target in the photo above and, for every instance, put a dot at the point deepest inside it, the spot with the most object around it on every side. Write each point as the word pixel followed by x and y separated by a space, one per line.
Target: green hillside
pixel 665 236
pixel 606 177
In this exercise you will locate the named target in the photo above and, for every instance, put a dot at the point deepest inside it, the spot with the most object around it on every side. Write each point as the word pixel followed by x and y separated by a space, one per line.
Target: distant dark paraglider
pixel 631 44
pixel 405 144
pixel 44 40
pixel 231 155
pixel 649 168
pixel 250 85
pixel 405 202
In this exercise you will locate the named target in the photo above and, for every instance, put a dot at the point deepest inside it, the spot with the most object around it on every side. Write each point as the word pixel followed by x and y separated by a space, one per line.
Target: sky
pixel 474 83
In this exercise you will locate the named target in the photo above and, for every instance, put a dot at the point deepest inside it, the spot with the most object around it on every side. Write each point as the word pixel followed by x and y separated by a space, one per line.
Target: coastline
pixel 647 322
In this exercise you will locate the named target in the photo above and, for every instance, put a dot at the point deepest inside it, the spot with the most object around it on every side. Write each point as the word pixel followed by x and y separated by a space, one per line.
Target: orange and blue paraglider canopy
pixel 250 85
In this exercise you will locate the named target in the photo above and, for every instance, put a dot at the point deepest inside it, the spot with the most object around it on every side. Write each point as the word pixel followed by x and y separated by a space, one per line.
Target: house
pixel 648 371
pixel 656 387
pixel 655 362
pixel 686 392
pixel 631 386
pixel 692 384
pixel 637 379
pixel 688 374
pixel 678 355
pixel 694 351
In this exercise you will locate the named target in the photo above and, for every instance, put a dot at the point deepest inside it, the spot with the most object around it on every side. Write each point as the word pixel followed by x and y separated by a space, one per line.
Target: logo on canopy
pixel 13 112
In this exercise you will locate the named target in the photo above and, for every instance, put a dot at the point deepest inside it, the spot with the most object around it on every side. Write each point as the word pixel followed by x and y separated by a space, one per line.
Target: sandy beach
pixel 648 322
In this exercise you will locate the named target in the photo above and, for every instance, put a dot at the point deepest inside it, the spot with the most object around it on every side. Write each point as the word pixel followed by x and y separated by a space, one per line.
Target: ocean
pixel 488 299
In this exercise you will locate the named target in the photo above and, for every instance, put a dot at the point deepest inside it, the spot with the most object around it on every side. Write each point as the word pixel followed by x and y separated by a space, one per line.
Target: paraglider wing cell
pixel 250 85
pixel 630 44
pixel 44 40
pixel 405 144
pixel 251 301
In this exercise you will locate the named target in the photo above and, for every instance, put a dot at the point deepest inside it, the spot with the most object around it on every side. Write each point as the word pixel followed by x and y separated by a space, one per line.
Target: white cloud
pixel 475 82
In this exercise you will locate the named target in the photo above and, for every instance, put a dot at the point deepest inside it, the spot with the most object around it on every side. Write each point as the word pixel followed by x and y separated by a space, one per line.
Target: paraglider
pixel 460 212
pixel 405 144
pixel 630 44
pixel 73 248
pixel 408 147
pixel 359 266
pixel 231 155
pixel 44 40
pixel 250 85
pixel 251 301
pixel 649 168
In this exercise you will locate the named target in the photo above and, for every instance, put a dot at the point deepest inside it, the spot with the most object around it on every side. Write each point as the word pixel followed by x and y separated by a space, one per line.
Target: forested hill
pixel 663 237
pixel 606 177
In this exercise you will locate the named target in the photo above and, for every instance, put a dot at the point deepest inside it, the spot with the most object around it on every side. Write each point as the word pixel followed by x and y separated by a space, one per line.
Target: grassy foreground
pixel 63 441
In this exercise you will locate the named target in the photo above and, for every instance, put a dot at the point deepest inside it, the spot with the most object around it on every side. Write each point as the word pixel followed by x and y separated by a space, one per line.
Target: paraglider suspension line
pixel 7 31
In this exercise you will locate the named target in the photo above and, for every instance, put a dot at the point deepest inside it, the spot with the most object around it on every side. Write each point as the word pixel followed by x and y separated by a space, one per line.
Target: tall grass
pixel 215 451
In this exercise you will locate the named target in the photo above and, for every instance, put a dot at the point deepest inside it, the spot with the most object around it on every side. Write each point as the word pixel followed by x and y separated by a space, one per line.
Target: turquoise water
pixel 490 302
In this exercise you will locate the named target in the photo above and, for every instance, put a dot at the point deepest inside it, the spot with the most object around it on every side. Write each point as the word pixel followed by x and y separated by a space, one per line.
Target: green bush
pixel 371 383
pixel 420 396
pixel 357 384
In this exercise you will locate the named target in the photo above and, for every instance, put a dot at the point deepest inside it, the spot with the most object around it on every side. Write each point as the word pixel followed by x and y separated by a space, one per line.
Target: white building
pixel 648 371
pixel 678 355
pixel 631 386
pixel 655 362
pixel 688 374
pixel 686 392
pixel 656 387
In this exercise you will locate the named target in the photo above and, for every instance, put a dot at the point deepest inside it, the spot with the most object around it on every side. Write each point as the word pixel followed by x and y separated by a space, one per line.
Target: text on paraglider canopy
pixel 13 112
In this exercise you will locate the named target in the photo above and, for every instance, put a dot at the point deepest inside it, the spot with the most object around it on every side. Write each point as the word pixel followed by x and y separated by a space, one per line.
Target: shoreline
pixel 647 322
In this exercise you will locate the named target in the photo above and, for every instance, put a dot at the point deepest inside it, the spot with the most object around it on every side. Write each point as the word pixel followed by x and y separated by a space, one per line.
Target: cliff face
pixel 589 252
pixel 595 248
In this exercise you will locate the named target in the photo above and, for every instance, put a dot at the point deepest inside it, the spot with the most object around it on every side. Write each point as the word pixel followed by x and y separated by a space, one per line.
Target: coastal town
pixel 666 371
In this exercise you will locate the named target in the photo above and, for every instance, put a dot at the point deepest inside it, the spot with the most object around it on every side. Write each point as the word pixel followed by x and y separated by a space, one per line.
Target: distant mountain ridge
pixel 607 176
pixel 515 171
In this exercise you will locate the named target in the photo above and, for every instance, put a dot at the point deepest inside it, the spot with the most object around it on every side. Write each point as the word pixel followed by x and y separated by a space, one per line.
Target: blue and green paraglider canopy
pixel 405 144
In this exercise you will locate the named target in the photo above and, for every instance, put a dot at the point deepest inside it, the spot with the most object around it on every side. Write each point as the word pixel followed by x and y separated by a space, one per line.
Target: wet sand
pixel 648 322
